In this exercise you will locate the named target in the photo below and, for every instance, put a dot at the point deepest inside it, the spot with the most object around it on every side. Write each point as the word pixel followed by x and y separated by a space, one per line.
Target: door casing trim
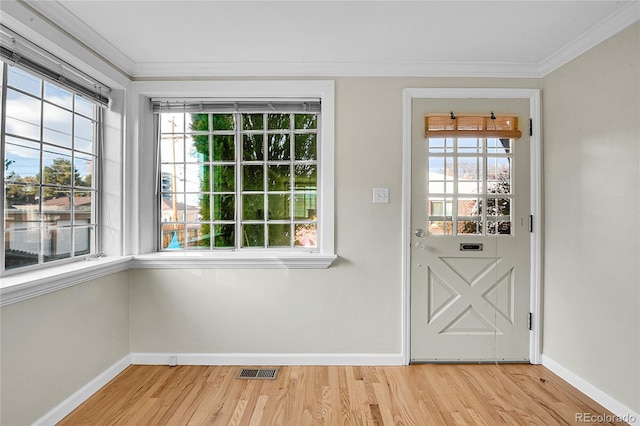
pixel 533 95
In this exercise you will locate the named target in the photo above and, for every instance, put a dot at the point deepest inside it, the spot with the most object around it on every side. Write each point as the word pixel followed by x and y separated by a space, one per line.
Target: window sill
pixel 23 286
pixel 234 260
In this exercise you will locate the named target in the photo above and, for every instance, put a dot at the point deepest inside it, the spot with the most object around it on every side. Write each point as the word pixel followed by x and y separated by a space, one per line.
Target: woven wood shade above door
pixel 472 126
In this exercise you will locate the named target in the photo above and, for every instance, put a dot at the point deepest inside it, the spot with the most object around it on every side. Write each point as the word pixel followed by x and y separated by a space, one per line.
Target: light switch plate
pixel 380 195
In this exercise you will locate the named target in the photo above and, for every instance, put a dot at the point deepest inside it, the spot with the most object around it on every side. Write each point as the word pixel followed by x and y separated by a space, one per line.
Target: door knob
pixel 419 232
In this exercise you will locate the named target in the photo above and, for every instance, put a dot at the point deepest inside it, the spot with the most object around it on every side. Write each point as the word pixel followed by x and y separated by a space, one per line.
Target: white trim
pixel 41 30
pixel 618 21
pixel 536 201
pixel 58 17
pixel 593 392
pixel 23 286
pixel 322 89
pixel 536 194
pixel 71 403
pixel 407 110
pixel 612 25
pixel 180 260
pixel 335 69
pixel 75 30
pixel 240 359
pixel 266 359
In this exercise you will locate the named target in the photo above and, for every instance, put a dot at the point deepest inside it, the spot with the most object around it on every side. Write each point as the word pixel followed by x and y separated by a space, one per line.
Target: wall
pixel 592 194
pixel 54 344
pixel 355 306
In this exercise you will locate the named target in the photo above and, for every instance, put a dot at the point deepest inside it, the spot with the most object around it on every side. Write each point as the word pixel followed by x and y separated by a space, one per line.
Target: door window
pixel 470 183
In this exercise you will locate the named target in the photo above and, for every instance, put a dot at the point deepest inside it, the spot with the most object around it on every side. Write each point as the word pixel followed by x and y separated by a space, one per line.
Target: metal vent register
pixel 264 374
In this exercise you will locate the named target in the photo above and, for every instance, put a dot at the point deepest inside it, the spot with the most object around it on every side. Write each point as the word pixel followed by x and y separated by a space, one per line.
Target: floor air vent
pixel 264 374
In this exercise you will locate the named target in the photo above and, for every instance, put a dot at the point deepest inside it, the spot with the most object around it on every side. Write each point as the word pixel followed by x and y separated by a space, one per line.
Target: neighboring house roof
pixel 168 205
pixel 64 201
pixel 57 203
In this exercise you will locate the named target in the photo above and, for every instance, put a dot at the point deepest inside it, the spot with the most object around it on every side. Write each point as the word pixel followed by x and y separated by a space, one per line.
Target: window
pixel 466 174
pixel 49 150
pixel 254 174
pixel 470 173
pixel 239 180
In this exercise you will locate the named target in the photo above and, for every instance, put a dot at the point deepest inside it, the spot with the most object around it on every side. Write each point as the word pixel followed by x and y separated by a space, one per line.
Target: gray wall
pixel 592 194
pixel 54 344
pixel 353 307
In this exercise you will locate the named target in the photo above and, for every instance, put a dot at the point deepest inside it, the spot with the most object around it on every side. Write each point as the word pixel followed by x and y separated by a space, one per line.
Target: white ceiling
pixel 334 38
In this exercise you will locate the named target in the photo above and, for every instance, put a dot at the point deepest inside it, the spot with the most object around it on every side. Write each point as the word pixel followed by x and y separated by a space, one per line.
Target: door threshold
pixel 470 361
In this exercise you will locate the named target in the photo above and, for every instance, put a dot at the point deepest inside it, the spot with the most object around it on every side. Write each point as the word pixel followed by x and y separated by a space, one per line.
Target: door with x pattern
pixel 470 254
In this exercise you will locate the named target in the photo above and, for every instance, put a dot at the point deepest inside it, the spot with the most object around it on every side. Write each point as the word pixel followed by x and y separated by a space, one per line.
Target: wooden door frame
pixel 533 95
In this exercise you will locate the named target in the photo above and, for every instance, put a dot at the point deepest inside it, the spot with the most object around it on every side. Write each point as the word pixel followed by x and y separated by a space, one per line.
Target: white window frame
pixel 25 285
pixel 94 224
pixel 533 95
pixel 146 255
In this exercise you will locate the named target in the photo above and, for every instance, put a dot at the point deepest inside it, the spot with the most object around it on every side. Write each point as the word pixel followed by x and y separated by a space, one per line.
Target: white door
pixel 470 244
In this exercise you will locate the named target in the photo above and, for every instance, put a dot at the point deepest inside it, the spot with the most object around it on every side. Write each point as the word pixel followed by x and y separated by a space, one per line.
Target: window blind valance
pixel 17 50
pixel 473 126
pixel 212 105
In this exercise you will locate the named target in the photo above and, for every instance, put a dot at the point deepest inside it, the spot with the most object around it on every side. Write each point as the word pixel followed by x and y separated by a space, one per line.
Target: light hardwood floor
pixel 488 394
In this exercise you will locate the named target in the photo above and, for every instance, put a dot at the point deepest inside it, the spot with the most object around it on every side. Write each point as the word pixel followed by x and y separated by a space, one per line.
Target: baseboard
pixel 71 403
pixel 265 359
pixel 616 407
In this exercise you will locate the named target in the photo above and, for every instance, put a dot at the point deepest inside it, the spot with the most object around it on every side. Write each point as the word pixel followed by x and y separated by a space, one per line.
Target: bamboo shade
pixel 472 126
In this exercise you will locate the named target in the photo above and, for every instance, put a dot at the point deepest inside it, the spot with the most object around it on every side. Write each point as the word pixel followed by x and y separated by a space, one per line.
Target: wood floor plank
pixel 418 395
pixel 213 397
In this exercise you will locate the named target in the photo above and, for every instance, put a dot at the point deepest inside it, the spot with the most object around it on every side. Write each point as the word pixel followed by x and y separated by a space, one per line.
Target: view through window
pixel 238 180
pixel 49 147
pixel 470 186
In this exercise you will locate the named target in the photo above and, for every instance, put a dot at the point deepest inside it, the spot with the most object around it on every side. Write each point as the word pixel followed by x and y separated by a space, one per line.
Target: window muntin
pixel 238 181
pixel 49 154
pixel 465 174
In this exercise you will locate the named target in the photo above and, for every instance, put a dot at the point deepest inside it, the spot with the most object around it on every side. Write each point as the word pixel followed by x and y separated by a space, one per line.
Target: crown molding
pixel 618 21
pixel 59 17
pixel 66 22
pixel 607 28
pixel 144 71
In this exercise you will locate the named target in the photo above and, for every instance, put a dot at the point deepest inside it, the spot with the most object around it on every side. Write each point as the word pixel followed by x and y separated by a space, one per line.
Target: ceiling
pixel 339 38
